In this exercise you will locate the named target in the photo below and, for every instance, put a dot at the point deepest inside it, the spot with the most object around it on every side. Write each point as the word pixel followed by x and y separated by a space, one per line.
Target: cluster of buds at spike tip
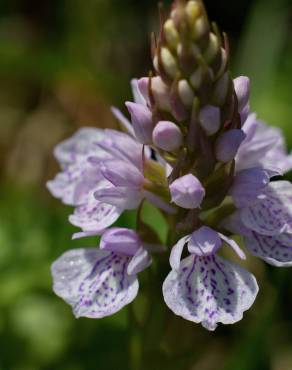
pixel 192 111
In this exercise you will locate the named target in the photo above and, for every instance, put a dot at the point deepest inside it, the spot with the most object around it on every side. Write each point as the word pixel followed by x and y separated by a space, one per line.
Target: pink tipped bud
pixel 159 90
pixel 187 192
pixel 141 118
pixel 242 86
pixel 167 136
pixel 210 119
pixel 228 144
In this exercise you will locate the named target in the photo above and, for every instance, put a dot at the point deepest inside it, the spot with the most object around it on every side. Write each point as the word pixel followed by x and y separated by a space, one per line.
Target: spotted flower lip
pixel 193 149
pixel 100 282
pixel 205 288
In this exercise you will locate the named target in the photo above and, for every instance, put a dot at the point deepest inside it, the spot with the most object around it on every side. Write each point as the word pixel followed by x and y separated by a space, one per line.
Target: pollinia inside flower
pixel 193 149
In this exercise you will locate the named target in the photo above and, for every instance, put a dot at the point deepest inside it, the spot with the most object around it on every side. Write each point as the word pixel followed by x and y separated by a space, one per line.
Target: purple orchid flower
pixel 100 282
pixel 205 288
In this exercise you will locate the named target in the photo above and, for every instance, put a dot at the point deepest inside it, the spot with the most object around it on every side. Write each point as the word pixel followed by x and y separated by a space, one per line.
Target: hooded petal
pixel 272 213
pixel 94 282
pixel 122 146
pixel 122 173
pixel 121 240
pixel 204 241
pixel 121 197
pixel 209 290
pixel 275 250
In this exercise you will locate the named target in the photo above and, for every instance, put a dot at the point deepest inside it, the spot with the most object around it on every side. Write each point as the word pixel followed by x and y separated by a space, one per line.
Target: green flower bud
pixel 168 62
pixel 171 34
pixel 186 93
pixel 193 11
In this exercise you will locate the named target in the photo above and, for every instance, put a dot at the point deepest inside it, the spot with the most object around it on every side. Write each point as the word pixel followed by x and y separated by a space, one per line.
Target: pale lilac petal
pixel 176 252
pixel 123 120
pixel 95 216
pixel 209 290
pixel 242 90
pixel 233 245
pixel 138 96
pixel 62 188
pixel 204 241
pixel 264 146
pixel 275 250
pixel 247 185
pixel 70 150
pixel 245 113
pixel 121 197
pixel 85 234
pixel 227 145
pixel 73 185
pixel 94 282
pixel 139 262
pixel 141 118
pixel 122 146
pixel 271 214
pixel 121 240
pixel 122 173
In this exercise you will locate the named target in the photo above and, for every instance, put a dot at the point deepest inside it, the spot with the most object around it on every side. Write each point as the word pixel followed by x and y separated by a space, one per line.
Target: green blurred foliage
pixel 62 64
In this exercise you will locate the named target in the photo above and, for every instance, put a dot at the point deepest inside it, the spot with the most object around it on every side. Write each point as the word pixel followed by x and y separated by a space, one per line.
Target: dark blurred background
pixel 63 63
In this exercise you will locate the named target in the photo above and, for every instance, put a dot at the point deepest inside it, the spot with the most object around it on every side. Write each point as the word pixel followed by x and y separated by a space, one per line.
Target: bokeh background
pixel 63 63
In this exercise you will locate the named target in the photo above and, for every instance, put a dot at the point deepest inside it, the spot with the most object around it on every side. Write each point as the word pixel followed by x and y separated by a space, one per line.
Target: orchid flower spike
pixel 192 148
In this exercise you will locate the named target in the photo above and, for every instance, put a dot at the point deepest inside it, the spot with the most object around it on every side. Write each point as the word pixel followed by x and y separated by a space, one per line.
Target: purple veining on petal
pixel 94 282
pixel 209 290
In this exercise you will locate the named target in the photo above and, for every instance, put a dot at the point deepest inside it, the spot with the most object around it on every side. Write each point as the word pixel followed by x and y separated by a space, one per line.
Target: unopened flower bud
pixel 141 118
pixel 193 11
pixel 197 78
pixel 201 28
pixel 167 136
pixel 159 90
pixel 186 93
pixel 212 49
pixel 221 89
pixel 242 86
pixel 210 119
pixel 168 62
pixel 171 34
pixel 227 145
pixel 120 240
pixel 187 192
